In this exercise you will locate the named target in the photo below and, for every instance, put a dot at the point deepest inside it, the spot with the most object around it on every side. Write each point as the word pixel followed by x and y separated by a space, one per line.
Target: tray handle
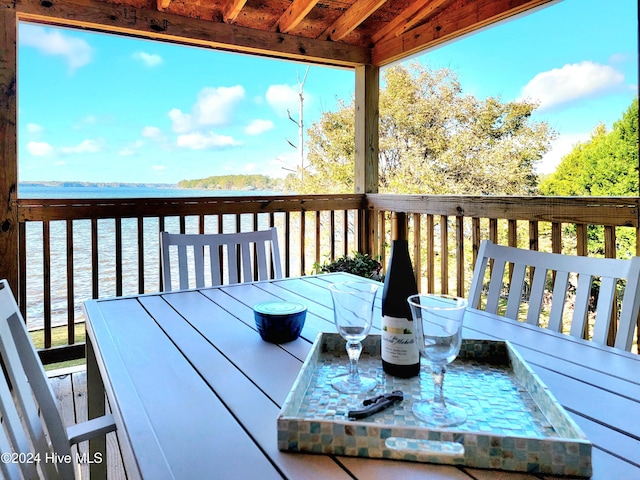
pixel 425 447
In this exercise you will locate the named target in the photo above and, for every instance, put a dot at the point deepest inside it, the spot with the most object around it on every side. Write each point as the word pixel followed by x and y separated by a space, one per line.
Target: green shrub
pixel 359 264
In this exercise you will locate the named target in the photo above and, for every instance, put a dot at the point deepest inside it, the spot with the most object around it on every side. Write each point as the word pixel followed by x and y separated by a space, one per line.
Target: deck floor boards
pixel 70 389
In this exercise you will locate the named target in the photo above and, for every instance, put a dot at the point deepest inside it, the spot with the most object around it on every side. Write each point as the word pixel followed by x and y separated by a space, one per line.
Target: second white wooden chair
pixel 33 439
pixel 242 256
pixel 542 268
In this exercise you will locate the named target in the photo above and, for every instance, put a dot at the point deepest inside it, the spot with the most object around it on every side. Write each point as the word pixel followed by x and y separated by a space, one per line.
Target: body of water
pixel 82 271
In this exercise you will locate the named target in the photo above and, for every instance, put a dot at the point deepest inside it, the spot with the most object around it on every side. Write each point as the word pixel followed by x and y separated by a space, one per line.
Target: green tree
pixel 605 165
pixel 433 140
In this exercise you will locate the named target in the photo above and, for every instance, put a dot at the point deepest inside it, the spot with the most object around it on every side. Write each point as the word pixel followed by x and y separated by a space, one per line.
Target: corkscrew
pixel 377 404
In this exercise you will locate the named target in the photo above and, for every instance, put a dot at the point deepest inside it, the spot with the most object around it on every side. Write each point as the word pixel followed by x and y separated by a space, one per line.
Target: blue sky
pixel 96 107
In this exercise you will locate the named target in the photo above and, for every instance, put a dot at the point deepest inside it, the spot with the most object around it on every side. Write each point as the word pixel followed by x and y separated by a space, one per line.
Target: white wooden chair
pixel 32 432
pixel 564 272
pixel 235 250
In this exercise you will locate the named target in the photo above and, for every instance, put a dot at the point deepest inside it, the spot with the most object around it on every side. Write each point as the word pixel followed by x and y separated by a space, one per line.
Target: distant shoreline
pixel 73 184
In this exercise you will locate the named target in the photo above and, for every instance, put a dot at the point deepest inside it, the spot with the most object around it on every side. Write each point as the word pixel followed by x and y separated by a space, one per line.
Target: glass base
pixel 362 385
pixel 436 416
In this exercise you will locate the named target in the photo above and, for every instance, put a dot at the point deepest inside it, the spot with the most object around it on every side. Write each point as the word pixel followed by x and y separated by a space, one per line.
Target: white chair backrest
pixel 32 429
pixel 232 256
pixel 531 272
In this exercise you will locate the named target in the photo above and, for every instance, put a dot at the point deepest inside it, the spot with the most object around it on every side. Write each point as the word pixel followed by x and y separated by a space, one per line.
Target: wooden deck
pixel 70 388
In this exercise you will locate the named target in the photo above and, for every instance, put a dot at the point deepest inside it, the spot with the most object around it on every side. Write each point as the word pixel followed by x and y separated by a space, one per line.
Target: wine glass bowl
pixel 438 332
pixel 353 315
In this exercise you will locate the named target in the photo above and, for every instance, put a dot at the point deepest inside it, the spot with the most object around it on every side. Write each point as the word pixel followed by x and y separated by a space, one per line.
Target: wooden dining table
pixel 196 392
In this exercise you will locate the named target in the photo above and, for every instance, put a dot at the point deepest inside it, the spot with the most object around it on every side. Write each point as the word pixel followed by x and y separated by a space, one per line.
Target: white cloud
pixel 76 51
pixel 560 147
pixel 158 168
pixel 149 59
pixel 86 146
pixel 181 121
pixel 282 98
pixel 572 81
pixel 200 141
pixel 151 132
pixel 213 107
pixel 131 149
pixel 39 149
pixel 258 126
pixel 34 128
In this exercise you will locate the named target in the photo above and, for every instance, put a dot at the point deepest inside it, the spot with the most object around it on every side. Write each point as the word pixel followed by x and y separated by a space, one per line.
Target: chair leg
pixel 96 408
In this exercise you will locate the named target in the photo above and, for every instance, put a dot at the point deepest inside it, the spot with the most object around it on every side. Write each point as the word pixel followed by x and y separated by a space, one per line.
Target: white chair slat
pixel 515 290
pixel 604 309
pixel 536 296
pixel 581 305
pixel 10 470
pixel 495 286
pixel 560 285
pixel 247 271
pixel 630 307
pixel 198 262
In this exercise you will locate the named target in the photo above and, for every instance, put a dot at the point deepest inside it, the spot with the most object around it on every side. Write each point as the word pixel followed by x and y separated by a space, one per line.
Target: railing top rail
pixel 75 209
pixel 608 211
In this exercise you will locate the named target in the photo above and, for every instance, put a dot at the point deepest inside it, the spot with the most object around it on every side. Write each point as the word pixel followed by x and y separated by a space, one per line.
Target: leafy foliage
pixel 433 140
pixel 234 182
pixel 605 165
pixel 360 264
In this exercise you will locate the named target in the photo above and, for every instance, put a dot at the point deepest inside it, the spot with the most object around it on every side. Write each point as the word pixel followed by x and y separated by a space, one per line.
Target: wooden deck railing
pixel 72 250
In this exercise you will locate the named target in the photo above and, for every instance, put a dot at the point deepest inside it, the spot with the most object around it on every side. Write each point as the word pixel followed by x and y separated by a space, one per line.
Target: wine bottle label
pixel 398 342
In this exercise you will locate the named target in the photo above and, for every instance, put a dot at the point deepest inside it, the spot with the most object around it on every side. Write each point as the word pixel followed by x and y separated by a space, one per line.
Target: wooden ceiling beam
pixel 418 11
pixel 163 4
pixel 232 10
pixel 350 19
pixel 459 19
pixel 151 24
pixel 294 15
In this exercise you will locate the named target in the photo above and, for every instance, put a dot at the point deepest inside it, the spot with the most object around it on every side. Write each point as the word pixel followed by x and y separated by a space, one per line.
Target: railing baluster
pixel 345 229
pixel 431 258
pixel 332 234
pixel 444 254
pixel 317 238
pixel 417 266
pixel 460 256
pixel 22 268
pixel 94 258
pixel 46 274
pixel 118 257
pixel 71 306
pixel 303 250
pixel 142 254
pixel 287 244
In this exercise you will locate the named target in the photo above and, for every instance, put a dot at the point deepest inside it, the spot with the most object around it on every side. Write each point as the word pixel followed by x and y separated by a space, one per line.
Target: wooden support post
pixel 367 93
pixel 8 148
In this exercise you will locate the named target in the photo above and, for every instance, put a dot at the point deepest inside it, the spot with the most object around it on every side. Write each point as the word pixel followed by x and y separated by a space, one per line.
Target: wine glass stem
pixel 437 374
pixel 353 350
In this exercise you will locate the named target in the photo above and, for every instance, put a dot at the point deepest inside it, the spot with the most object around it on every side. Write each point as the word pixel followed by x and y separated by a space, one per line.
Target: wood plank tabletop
pixel 196 391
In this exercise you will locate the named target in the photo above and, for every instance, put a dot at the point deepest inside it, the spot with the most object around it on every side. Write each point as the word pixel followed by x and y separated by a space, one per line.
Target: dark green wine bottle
pixel 400 356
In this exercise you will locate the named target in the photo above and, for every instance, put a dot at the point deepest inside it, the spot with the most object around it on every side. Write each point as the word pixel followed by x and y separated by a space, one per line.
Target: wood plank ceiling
pixel 339 32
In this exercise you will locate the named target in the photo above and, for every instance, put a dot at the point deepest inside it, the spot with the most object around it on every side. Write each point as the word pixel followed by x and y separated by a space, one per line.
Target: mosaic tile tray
pixel 513 422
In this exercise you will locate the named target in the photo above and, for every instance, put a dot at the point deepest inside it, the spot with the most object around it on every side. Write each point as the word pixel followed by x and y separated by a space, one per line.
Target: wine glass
pixel 438 332
pixel 353 314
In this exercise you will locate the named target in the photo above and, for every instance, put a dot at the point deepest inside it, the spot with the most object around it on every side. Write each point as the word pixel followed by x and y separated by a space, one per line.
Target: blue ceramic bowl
pixel 279 322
